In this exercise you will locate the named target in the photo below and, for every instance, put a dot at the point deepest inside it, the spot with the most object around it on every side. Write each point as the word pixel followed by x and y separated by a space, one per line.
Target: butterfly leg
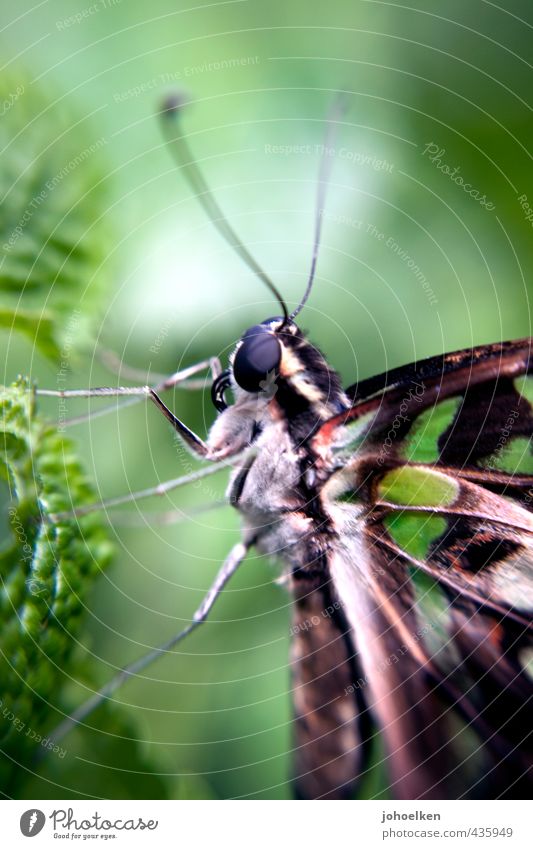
pixel 115 364
pixel 135 394
pixel 160 489
pixel 175 379
pixel 213 363
pixel 191 440
pixel 194 443
pixel 228 568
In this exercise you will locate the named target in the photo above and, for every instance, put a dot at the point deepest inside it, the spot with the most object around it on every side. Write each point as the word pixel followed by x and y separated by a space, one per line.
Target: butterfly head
pixel 276 372
pixel 257 358
pixel 255 363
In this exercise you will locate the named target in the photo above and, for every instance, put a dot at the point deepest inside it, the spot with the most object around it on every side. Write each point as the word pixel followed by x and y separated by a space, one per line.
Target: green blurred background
pixel 411 265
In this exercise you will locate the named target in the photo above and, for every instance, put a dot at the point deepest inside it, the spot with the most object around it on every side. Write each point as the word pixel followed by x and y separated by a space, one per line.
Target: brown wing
pixel 448 690
pixel 402 683
pixel 432 503
pixel 461 369
pixel 332 724
pixel 483 378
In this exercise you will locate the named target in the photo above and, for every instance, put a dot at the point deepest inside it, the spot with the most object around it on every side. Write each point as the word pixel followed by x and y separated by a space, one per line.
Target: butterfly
pixel 401 509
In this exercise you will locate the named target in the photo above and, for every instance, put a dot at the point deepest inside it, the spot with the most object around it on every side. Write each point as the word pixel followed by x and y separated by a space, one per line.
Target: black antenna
pixel 336 111
pixel 170 114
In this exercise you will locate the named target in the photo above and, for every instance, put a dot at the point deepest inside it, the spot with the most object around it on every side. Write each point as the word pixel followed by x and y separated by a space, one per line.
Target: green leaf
pixel 35 325
pixel 52 235
pixel 49 564
pixel 47 567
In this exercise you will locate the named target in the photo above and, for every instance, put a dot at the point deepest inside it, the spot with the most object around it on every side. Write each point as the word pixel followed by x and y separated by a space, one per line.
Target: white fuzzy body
pixel 265 484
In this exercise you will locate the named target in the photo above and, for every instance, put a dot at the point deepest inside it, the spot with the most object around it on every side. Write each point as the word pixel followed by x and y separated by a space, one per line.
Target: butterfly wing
pixel 401 687
pixel 431 501
pixel 332 725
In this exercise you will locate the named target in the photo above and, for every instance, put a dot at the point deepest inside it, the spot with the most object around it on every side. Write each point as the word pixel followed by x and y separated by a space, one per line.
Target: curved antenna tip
pixel 173 104
pixel 171 108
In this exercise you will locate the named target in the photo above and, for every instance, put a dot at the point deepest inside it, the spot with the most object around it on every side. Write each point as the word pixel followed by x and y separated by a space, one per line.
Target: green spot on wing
pixel 415 533
pixel 524 386
pixel 422 442
pixel 514 457
pixel 432 609
pixel 353 435
pixel 413 486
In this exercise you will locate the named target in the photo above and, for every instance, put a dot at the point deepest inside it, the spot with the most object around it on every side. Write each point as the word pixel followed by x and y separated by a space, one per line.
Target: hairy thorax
pixel 269 489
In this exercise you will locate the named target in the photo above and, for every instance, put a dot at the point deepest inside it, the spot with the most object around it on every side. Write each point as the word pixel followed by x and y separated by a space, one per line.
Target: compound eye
pixel 258 355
